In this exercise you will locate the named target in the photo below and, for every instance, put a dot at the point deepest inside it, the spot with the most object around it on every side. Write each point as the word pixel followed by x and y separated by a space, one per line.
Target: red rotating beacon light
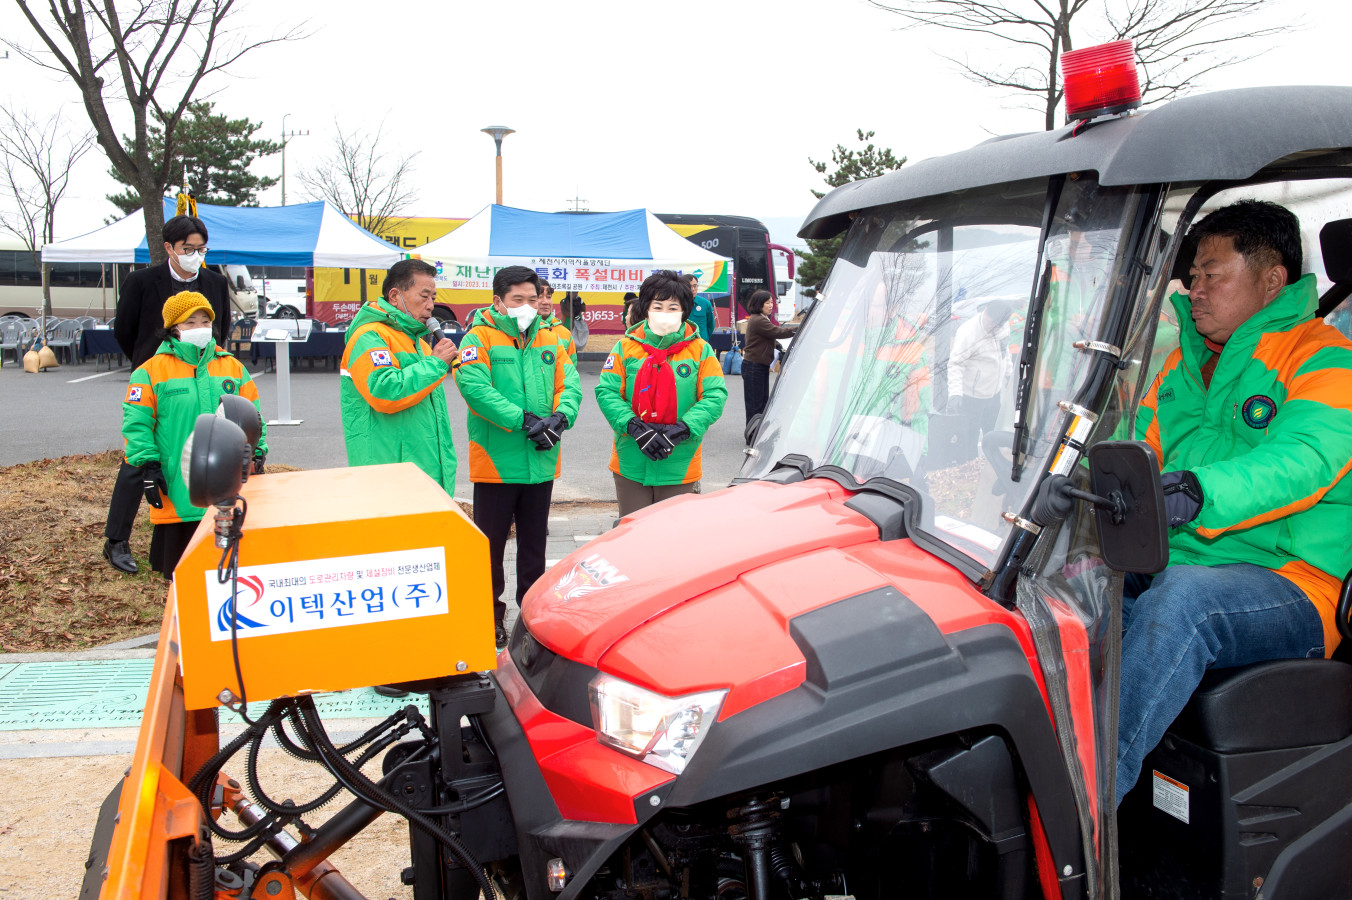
pixel 1100 80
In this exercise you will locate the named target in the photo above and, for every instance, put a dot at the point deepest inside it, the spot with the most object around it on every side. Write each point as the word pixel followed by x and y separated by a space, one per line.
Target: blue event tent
pixel 307 234
pixel 610 251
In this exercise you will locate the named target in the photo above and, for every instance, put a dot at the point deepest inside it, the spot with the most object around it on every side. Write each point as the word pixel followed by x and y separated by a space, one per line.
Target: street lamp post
pixel 285 139
pixel 498 132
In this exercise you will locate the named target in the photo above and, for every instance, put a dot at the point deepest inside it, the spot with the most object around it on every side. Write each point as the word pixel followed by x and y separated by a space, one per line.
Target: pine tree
pixel 851 165
pixel 216 151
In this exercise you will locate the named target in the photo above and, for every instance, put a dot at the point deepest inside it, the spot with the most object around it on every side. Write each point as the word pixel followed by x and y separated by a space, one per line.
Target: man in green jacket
pixel 523 393
pixel 392 399
pixel 1252 421
pixel 701 311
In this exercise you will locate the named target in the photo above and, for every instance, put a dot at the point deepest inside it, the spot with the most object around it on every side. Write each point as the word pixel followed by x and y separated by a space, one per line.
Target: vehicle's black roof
pixel 1223 135
pixel 698 219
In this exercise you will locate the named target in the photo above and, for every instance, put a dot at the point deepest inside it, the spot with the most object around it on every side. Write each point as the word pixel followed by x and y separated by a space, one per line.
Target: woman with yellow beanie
pixel 186 377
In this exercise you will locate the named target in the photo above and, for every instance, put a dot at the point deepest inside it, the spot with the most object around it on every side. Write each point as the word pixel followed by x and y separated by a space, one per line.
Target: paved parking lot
pixel 77 409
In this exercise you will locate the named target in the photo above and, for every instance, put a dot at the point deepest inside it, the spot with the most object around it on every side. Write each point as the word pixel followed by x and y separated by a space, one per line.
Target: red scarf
pixel 655 384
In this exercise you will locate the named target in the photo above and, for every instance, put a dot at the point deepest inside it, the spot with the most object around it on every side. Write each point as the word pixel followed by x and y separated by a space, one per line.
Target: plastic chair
pixel 64 334
pixel 240 334
pixel 13 337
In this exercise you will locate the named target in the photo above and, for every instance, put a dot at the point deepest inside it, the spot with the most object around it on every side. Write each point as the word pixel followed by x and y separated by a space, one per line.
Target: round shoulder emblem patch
pixel 228 386
pixel 683 370
pixel 1259 411
pixel 548 357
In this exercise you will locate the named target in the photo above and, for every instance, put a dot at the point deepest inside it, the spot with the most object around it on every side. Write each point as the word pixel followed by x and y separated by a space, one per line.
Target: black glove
pixel 548 431
pixel 530 422
pixel 154 485
pixel 637 428
pixel 652 442
pixel 258 461
pixel 675 432
pixel 1182 497
pixel 656 445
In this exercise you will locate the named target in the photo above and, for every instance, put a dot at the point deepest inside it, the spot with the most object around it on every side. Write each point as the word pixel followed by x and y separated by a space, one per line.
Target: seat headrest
pixel 1335 243
pixel 1187 252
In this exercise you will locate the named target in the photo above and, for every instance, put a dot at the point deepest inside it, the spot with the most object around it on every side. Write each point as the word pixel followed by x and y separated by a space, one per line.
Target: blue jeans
pixel 1190 619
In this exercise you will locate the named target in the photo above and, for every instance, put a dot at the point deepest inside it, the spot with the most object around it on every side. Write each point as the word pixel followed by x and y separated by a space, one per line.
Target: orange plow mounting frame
pixel 156 808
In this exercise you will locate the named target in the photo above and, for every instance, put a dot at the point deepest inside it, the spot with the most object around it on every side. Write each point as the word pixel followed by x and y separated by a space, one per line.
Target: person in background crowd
pixel 186 377
pixel 627 313
pixel 523 393
pixel 137 329
pixel 660 389
pixel 701 311
pixel 545 310
pixel 979 366
pixel 761 334
pixel 391 383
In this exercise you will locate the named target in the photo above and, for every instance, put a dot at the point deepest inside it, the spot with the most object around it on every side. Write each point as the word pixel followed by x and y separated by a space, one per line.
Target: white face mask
pixel 524 315
pixel 198 337
pixel 664 323
pixel 190 262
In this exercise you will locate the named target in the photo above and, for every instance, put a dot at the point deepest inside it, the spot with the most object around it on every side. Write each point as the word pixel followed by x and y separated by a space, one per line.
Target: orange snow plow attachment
pixel 344 581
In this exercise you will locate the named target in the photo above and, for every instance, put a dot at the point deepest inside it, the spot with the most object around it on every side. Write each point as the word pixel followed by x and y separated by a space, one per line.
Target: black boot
pixel 119 554
pixel 500 635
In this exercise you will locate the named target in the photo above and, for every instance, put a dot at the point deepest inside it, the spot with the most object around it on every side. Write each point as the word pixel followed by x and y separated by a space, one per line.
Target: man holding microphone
pixel 392 397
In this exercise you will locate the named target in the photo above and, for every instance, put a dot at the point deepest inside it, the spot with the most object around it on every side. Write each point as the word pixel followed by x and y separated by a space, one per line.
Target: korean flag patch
pixel 469 355
pixel 381 358
pixel 134 393
pixel 610 363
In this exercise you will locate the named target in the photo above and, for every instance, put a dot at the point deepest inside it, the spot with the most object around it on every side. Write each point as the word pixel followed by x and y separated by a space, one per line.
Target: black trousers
pixel 755 387
pixel 496 508
pixel 126 502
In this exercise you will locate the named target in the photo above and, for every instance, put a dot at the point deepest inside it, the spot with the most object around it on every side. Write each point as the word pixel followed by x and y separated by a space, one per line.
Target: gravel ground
pixel 44 842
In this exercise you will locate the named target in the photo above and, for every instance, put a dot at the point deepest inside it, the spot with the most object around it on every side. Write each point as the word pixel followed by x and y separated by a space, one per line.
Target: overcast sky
pixel 692 106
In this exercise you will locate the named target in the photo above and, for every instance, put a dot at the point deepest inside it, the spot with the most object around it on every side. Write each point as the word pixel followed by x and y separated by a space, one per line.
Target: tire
pixel 287 312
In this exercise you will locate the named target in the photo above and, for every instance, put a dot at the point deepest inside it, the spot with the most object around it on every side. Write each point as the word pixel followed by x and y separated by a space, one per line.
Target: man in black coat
pixel 140 304
pixel 138 329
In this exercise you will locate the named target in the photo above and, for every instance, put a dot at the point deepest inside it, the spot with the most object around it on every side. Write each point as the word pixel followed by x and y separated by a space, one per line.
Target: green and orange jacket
pixel 501 375
pixel 701 394
pixel 165 397
pixel 391 396
pixel 564 335
pixel 1270 443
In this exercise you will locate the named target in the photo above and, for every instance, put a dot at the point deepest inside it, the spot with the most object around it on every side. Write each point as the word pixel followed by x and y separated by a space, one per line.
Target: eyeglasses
pixel 202 249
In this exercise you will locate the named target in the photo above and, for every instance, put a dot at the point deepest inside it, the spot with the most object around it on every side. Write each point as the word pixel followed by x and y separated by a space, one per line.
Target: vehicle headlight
pixel 662 731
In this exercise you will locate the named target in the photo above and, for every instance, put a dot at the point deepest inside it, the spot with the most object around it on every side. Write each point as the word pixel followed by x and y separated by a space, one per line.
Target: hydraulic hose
pixel 369 791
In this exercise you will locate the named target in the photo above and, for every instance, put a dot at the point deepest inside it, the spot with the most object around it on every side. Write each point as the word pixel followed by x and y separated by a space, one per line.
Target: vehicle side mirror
pixel 752 427
pixel 1133 535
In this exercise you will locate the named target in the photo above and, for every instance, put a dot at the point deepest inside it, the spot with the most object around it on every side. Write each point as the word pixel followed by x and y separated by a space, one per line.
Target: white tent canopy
pixel 575 251
pixel 307 234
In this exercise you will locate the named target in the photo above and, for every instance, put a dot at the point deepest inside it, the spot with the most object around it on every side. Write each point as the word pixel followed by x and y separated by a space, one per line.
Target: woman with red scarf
pixel 661 388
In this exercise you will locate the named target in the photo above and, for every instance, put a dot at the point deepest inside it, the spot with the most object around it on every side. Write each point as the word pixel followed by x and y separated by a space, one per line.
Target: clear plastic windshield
pixel 909 363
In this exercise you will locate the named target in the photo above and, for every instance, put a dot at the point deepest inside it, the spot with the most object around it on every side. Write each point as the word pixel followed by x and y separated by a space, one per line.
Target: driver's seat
pixel 1250 792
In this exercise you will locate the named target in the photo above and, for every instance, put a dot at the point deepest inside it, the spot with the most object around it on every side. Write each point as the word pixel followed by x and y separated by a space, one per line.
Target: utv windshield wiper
pixel 1032 336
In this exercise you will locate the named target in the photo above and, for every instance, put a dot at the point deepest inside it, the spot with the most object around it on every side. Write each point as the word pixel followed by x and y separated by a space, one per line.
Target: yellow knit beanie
pixel 182 305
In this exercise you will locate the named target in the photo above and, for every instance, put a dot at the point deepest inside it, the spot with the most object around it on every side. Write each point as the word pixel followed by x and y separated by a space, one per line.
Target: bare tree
pixel 362 179
pixel 156 54
pixel 1177 41
pixel 37 156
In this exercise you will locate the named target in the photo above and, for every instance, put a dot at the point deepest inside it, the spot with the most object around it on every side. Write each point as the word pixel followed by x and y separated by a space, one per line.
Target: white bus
pixel 85 289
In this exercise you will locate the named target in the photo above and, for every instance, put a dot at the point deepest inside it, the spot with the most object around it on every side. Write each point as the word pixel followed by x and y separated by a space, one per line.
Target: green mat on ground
pixel 112 693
